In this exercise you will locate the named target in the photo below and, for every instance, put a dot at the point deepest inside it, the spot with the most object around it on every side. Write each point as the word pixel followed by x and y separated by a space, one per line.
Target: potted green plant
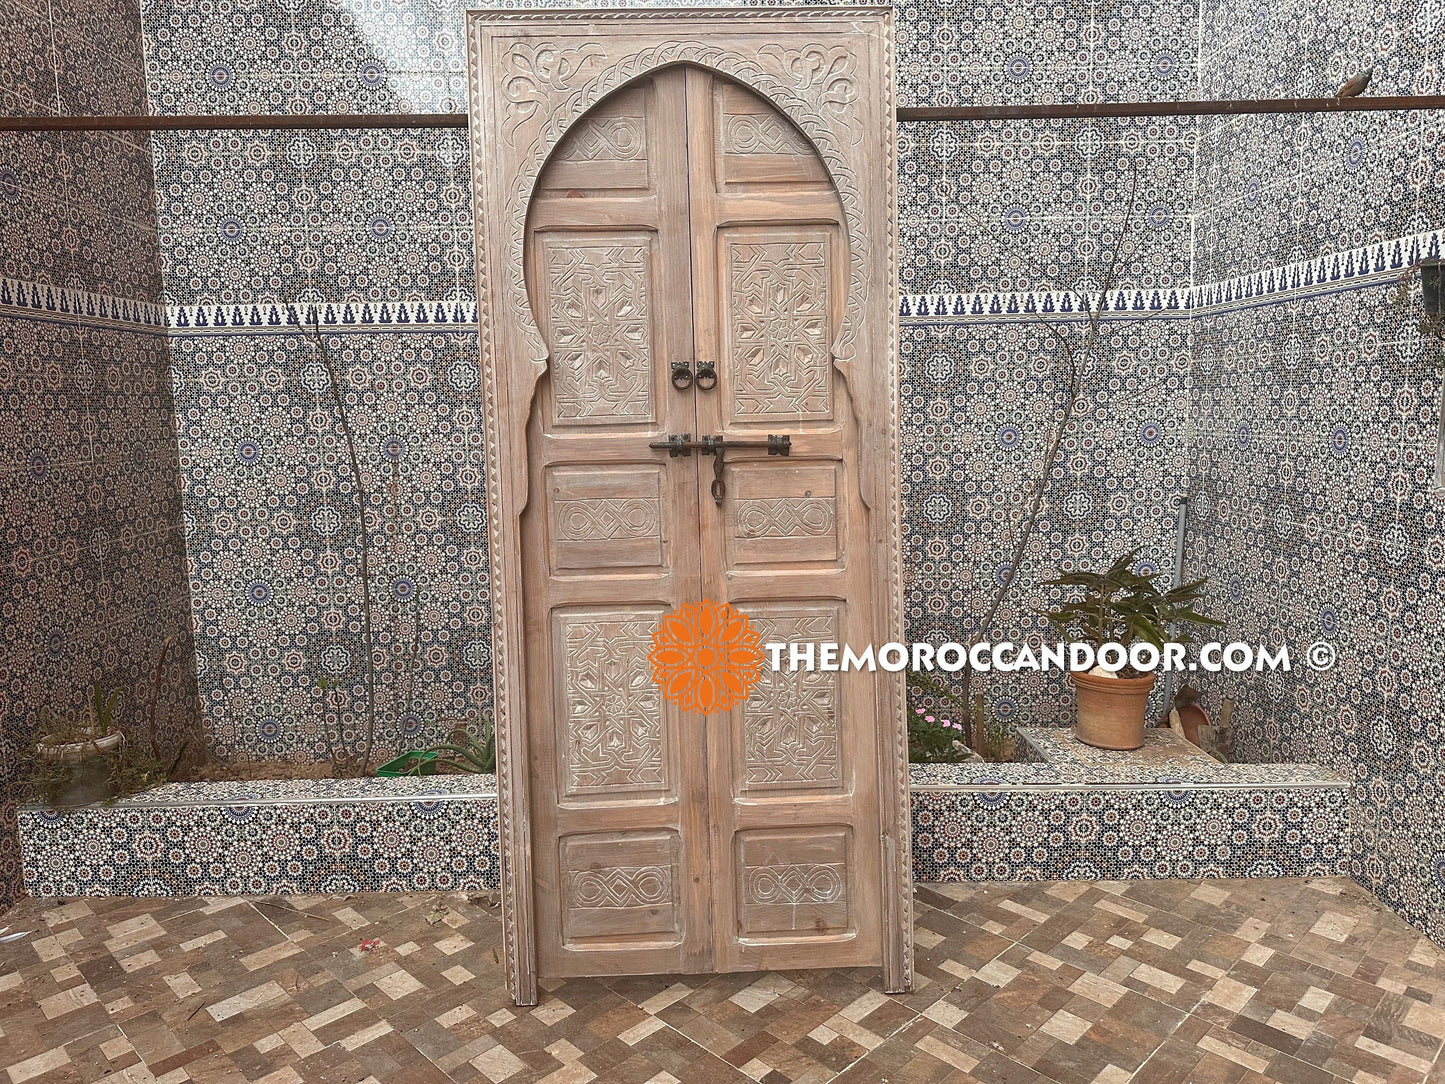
pixel 1124 607
pixel 75 756
pixel 465 752
pixel 468 751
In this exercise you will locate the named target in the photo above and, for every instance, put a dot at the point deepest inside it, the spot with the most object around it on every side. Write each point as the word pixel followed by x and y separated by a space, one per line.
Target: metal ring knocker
pixel 681 375
pixel 706 376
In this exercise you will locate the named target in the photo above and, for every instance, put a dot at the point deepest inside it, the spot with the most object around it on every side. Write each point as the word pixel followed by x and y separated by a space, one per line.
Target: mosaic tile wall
pixel 1004 223
pixel 253 221
pixel 1317 416
pixel 374 229
pixel 1018 834
pixel 997 222
pixel 92 578
pixel 1114 51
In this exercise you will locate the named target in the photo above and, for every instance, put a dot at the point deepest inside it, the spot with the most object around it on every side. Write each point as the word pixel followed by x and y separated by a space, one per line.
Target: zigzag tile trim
pixel 1352 269
pixel 1349 270
pixel 64 304
pixel 1032 305
pixel 335 316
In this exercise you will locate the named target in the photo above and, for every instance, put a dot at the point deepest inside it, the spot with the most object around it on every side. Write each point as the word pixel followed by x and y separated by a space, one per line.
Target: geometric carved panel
pixel 596 296
pixel 620 886
pixel 758 145
pixel 605 517
pixel 782 515
pixel 765 133
pixel 793 882
pixel 610 722
pixel 606 149
pixel 790 722
pixel 778 327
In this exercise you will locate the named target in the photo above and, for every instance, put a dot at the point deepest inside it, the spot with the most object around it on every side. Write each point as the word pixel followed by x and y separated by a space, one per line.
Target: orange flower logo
pixel 706 657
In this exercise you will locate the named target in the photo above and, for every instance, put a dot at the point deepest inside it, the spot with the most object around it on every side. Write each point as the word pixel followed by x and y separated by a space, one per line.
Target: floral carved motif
pixel 790 722
pixel 614 712
pixel 601 327
pixel 778 316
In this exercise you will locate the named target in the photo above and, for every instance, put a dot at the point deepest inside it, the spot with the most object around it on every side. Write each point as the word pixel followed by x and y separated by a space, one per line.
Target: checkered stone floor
pixel 1157 982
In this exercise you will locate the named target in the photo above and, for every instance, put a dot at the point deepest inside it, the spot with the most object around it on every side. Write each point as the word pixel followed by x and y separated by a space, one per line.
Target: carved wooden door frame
pixel 532 75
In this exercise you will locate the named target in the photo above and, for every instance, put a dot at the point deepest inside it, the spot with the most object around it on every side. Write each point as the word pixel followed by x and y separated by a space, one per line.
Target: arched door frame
pixel 532 76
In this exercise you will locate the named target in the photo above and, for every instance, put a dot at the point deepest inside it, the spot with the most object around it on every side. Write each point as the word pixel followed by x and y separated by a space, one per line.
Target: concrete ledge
pixel 1053 759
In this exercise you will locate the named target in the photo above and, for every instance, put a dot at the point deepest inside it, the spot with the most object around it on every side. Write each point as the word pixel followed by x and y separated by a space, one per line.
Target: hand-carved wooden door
pixel 686 222
pixel 684 228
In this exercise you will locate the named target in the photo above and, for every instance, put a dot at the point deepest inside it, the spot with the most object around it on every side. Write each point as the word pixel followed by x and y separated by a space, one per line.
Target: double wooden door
pixel 686 258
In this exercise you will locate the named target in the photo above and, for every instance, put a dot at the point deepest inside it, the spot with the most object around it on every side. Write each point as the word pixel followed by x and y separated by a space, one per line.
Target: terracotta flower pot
pixel 1111 710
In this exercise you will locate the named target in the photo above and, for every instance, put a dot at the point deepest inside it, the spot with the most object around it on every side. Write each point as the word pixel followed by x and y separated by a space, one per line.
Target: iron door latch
pixel 683 445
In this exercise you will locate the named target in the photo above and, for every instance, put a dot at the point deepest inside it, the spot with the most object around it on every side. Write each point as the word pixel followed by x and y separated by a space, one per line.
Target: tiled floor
pixel 1151 981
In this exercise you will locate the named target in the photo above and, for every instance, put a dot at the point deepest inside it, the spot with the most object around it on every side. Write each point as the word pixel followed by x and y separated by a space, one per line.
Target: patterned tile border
pixel 1325 274
pixel 1336 271
pixel 1026 305
pixel 382 835
pixel 335 316
pixel 1347 270
pixel 45 301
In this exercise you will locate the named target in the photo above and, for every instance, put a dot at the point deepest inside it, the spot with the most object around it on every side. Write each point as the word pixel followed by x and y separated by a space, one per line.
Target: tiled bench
pixel 256 838
pixel 1071 814
pixel 1168 810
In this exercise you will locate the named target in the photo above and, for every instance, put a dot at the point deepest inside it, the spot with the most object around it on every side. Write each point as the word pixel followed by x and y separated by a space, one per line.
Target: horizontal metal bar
pixel 249 122
pixel 1057 111
pixel 1092 110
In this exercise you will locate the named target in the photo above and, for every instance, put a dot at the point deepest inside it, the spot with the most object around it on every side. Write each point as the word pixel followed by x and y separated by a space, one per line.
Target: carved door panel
pixel 609 543
pixel 793 772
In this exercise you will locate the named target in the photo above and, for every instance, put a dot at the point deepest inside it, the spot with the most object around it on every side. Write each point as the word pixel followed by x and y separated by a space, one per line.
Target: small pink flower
pixel 917 711
pixel 928 718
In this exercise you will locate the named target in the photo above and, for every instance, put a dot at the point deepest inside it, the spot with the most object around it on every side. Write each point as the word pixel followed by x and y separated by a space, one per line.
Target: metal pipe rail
pixel 1057 111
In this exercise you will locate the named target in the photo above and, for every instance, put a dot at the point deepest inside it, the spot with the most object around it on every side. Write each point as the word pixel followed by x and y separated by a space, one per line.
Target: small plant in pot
pixel 75 757
pixel 1123 607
